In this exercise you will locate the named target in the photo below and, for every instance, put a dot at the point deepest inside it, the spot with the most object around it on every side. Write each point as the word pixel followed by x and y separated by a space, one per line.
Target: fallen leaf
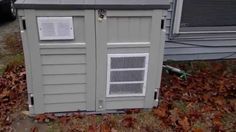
pixel 197 130
pixel 128 122
pixel 174 115
pixel 160 112
pixel 34 129
pixel 51 117
pixel 105 128
pixel 75 128
pixel 184 123
pixel 220 100
pixel 5 93
pixel 217 121
pixel 40 118
pixel 113 130
pixel 132 111
pixel 64 120
pixel 92 128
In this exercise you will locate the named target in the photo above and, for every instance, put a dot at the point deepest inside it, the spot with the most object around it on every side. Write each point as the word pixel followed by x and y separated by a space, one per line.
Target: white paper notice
pixel 55 28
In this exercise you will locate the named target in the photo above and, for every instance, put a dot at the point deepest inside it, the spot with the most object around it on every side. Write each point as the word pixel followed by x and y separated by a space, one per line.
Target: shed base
pixel 85 112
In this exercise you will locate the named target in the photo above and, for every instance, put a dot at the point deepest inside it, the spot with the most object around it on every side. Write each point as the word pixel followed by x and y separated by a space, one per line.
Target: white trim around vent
pixel 143 82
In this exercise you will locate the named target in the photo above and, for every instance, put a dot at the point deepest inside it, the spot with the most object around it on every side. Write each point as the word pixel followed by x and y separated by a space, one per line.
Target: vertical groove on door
pixel 101 47
pixel 91 60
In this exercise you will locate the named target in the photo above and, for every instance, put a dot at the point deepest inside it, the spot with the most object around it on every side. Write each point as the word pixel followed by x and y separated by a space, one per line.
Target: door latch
pixel 102 15
pixel 162 23
pixel 100 104
pixel 23 23
pixel 31 99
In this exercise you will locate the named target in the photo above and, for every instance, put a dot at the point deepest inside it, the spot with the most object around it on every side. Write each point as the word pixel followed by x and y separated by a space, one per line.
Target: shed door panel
pixel 63 70
pixel 127 44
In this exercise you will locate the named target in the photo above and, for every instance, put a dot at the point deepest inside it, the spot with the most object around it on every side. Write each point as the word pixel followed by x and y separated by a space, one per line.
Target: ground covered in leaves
pixel 13 94
pixel 206 101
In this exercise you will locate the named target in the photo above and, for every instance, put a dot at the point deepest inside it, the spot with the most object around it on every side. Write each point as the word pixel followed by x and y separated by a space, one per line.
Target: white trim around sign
pixel 144 82
pixel 62 28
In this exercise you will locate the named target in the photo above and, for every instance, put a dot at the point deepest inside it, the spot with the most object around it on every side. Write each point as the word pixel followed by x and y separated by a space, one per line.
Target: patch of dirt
pixel 5 29
pixel 23 123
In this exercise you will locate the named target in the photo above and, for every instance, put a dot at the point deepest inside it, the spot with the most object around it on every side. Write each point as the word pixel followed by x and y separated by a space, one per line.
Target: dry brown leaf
pixel 5 93
pixel 128 121
pixel 34 129
pixel 75 128
pixel 40 118
pixel 113 130
pixel 197 130
pixel 174 115
pixel 132 111
pixel 219 100
pixel 160 112
pixel 64 120
pixel 92 128
pixel 105 128
pixel 217 121
pixel 184 123
pixel 51 117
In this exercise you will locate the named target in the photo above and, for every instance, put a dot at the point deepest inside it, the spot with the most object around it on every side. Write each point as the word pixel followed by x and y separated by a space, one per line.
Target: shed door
pixel 63 64
pixel 129 56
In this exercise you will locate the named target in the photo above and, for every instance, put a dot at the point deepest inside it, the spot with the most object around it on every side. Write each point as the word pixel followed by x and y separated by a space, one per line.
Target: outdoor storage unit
pixel 94 55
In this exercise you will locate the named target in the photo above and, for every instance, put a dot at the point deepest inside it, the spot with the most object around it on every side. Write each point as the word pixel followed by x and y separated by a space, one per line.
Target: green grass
pixel 182 106
pixel 2 68
pixel 196 66
pixel 12 55
pixel 17 59
pixel 11 61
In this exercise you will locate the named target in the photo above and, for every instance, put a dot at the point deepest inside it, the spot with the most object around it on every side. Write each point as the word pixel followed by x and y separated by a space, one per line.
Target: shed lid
pixel 92 4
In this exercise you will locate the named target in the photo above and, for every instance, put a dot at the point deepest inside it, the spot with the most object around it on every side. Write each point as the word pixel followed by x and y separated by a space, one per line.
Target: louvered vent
pixel 127 74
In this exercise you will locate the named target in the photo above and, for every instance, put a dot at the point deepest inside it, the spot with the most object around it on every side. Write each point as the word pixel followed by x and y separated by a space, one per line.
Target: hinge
pixel 31 99
pixel 23 23
pixel 162 23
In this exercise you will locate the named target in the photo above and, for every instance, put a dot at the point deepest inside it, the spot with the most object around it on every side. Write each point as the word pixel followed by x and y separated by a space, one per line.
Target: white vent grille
pixel 127 74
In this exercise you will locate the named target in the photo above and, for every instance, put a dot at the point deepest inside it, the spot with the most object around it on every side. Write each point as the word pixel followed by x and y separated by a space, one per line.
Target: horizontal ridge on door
pixel 63 59
pixel 64 79
pixel 65 107
pixel 66 51
pixel 64 69
pixel 124 104
pixel 64 89
pixel 62 45
pixel 64 98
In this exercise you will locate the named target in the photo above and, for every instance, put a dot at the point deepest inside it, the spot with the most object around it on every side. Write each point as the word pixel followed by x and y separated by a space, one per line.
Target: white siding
pixel 221 48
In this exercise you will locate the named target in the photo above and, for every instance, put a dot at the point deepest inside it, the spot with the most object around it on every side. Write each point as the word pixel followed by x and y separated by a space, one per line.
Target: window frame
pixel 109 70
pixel 177 21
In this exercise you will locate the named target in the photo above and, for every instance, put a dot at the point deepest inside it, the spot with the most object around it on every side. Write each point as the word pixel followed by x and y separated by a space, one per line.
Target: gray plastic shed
pixel 92 55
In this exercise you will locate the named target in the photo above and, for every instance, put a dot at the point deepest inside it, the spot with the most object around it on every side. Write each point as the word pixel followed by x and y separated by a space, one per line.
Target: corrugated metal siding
pixel 221 48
